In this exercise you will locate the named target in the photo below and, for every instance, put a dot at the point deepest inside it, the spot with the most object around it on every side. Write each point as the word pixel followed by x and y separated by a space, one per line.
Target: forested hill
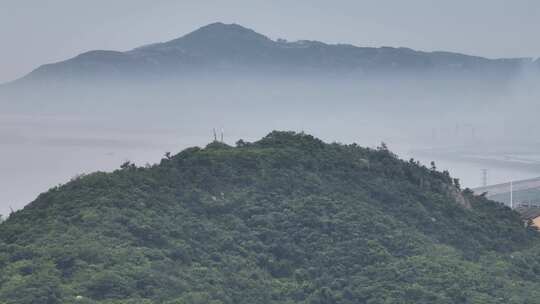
pixel 286 219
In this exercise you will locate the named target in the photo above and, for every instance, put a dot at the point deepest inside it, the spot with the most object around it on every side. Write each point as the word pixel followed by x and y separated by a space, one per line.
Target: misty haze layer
pixel 97 110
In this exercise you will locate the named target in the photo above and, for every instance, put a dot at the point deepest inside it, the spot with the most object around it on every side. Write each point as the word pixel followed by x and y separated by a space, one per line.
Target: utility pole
pixel 215 134
pixel 484 177
pixel 511 195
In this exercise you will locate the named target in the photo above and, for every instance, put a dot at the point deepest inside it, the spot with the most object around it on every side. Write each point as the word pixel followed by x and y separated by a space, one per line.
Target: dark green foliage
pixel 287 219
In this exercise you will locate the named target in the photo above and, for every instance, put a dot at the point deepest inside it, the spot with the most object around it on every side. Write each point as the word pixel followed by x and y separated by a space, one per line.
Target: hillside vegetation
pixel 286 219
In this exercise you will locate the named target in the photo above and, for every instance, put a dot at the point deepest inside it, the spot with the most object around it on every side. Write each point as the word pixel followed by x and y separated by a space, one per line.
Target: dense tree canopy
pixel 287 219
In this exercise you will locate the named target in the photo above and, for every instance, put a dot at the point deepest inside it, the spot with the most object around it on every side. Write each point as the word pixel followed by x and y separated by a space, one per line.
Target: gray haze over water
pixel 48 138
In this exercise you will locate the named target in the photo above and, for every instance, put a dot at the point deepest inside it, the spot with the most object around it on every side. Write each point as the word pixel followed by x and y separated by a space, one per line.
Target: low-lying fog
pixel 48 136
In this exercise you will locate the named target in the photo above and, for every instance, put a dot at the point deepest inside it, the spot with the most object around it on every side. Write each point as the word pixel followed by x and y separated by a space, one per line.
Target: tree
pixel 42 286
pixel 127 165
pixel 457 183
pixel 383 147
pixel 241 143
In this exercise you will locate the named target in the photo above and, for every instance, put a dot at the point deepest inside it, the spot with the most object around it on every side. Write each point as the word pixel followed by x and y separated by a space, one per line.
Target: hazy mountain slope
pixel 287 219
pixel 231 47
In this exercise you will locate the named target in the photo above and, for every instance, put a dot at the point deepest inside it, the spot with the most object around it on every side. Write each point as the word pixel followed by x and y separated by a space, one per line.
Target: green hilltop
pixel 286 219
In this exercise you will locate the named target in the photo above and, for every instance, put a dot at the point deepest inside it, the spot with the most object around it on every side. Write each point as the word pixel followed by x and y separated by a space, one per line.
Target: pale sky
pixel 34 32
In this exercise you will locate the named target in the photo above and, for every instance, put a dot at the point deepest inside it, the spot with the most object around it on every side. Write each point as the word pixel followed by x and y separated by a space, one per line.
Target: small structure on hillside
pixel 530 214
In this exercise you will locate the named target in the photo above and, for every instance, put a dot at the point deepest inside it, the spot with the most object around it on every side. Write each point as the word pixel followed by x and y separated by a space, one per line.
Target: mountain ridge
pixel 220 46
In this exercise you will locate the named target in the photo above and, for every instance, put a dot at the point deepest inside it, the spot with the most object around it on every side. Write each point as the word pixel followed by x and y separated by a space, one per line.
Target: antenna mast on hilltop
pixel 484 177
pixel 215 134
pixel 222 131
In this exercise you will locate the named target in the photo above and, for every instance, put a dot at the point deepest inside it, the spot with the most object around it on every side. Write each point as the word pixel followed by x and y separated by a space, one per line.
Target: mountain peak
pixel 232 28
pixel 222 26
pixel 219 31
